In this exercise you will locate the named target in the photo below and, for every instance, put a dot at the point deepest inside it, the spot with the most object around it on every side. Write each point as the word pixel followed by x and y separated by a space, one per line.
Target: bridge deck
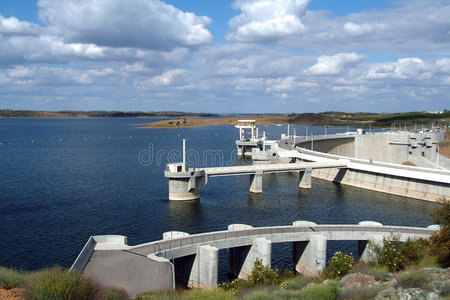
pixel 271 168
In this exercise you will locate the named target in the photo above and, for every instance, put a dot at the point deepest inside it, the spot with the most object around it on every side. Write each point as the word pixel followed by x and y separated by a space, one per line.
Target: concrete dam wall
pixel 380 157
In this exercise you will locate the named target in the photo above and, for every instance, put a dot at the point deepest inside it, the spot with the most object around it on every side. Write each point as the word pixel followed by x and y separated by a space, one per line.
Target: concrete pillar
pixel 204 268
pixel 305 179
pixel 365 252
pixel 240 150
pixel 185 185
pixel 256 182
pixel 309 257
pixel 241 260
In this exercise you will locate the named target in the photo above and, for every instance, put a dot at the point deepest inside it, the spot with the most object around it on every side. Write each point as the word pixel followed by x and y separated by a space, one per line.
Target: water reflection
pixel 185 215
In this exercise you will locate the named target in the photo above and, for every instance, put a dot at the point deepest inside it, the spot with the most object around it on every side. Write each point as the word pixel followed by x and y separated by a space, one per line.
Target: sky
pixel 242 56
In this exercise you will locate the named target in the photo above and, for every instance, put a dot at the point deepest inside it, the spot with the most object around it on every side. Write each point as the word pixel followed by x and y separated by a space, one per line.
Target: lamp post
pixel 312 142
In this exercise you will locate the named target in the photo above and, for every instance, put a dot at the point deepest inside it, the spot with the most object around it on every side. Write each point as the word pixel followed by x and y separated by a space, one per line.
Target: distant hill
pixel 8 113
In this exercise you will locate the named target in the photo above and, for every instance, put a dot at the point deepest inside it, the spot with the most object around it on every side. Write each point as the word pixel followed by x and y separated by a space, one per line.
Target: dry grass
pixel 190 123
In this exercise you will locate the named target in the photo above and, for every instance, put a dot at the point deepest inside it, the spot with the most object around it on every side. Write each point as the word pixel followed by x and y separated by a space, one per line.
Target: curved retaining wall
pixel 193 259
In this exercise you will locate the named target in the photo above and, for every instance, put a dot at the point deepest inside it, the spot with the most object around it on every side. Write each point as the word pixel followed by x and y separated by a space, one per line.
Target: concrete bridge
pixel 192 260
pixel 185 184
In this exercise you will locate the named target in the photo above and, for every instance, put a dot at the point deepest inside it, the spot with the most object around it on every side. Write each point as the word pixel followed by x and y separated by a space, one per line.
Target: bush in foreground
pixel 388 254
pixel 261 275
pixel 320 292
pixel 57 283
pixel 338 266
pixel 440 240
pixel 10 278
pixel 413 279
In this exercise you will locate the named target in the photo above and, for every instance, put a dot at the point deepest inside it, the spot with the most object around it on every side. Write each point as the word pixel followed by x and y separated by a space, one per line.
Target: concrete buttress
pixel 242 259
pixel 310 256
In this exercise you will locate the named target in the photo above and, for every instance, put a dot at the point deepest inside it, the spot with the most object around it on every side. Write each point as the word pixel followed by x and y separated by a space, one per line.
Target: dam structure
pixel 401 163
pixel 184 260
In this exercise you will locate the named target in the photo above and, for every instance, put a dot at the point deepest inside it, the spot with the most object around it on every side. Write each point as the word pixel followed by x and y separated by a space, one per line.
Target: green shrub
pixel 261 275
pixel 10 278
pixel 264 275
pixel 319 292
pixel 296 283
pixel 388 254
pixel 414 250
pixel 113 294
pixel 207 295
pixel 440 240
pixel 285 295
pixel 56 283
pixel 413 279
pixel 259 295
pixel 339 265
pixel 166 295
pixel 380 273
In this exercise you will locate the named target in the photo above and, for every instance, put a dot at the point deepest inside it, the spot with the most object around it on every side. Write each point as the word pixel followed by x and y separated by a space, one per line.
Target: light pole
pixel 293 140
pixel 312 142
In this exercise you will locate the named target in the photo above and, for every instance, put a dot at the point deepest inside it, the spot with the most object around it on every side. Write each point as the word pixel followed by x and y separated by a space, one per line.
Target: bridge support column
pixel 305 179
pixel 204 268
pixel 184 184
pixel 365 252
pixel 309 257
pixel 256 182
pixel 241 260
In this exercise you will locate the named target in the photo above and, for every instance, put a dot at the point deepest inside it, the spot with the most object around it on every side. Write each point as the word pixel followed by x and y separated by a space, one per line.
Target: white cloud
pixel 406 28
pixel 266 20
pixel 12 26
pixel 21 72
pixel 149 24
pixel 178 78
pixel 407 68
pixel 336 64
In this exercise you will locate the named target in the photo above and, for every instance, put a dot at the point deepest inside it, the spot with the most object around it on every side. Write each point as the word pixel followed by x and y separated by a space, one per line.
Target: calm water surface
pixel 63 180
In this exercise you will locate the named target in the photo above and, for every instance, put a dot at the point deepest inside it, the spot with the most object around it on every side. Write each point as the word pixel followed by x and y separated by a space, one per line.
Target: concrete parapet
pixel 305 179
pixel 83 258
pixel 204 269
pixel 174 235
pixel 309 257
pixel 256 182
pixel 241 260
pixel 303 223
pixel 239 226
pixel 370 223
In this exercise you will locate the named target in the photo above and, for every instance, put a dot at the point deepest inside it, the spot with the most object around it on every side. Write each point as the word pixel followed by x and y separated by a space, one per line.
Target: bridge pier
pixel 198 270
pixel 241 260
pixel 184 184
pixel 365 253
pixel 309 257
pixel 256 182
pixel 305 179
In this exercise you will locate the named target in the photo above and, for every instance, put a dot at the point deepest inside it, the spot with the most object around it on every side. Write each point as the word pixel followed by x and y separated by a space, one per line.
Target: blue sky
pixel 273 56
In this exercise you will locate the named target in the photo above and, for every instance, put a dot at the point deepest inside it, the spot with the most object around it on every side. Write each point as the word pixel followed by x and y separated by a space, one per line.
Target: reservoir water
pixel 63 180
